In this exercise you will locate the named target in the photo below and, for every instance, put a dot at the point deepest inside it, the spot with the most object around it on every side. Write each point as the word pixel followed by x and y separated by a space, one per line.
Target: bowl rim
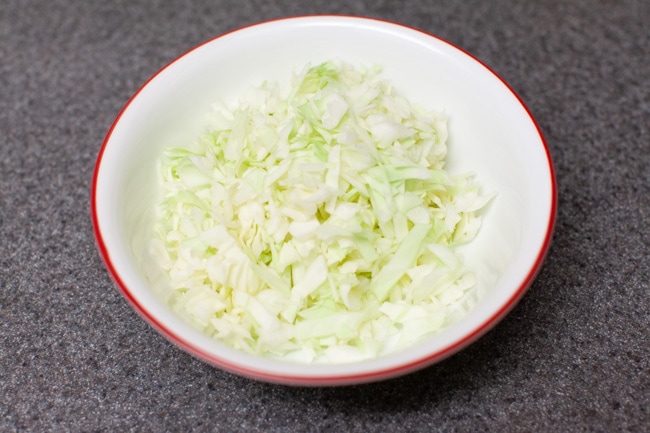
pixel 324 379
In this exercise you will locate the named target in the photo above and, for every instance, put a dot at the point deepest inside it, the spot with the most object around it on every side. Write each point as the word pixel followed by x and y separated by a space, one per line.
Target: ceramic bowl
pixel 491 131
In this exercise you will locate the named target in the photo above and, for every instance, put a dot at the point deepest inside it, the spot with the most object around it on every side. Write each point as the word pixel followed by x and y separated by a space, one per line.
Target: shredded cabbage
pixel 315 221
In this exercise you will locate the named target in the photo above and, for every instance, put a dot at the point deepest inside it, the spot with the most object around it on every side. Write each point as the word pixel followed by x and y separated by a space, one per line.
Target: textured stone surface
pixel 574 355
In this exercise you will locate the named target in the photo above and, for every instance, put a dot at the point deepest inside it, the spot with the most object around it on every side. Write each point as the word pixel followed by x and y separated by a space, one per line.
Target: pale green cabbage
pixel 315 221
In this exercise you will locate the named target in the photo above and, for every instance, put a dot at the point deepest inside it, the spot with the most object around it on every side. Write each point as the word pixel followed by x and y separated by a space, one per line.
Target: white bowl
pixel 491 134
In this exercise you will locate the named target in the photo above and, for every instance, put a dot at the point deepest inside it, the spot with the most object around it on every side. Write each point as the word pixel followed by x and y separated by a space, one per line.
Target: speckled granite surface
pixel 574 355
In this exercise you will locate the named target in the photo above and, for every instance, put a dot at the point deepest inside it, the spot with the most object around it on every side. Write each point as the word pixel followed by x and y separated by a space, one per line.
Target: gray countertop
pixel 574 355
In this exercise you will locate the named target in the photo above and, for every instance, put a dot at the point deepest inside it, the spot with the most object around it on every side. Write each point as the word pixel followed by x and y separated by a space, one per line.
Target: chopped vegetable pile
pixel 316 222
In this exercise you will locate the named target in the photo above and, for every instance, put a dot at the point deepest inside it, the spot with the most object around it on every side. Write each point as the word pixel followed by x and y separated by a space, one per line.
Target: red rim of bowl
pixel 327 380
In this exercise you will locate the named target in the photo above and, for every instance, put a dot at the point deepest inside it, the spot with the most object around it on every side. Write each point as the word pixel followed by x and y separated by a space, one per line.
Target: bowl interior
pixel 491 134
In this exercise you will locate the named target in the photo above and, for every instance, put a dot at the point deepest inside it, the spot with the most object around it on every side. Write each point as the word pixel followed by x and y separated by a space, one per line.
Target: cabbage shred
pixel 316 221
